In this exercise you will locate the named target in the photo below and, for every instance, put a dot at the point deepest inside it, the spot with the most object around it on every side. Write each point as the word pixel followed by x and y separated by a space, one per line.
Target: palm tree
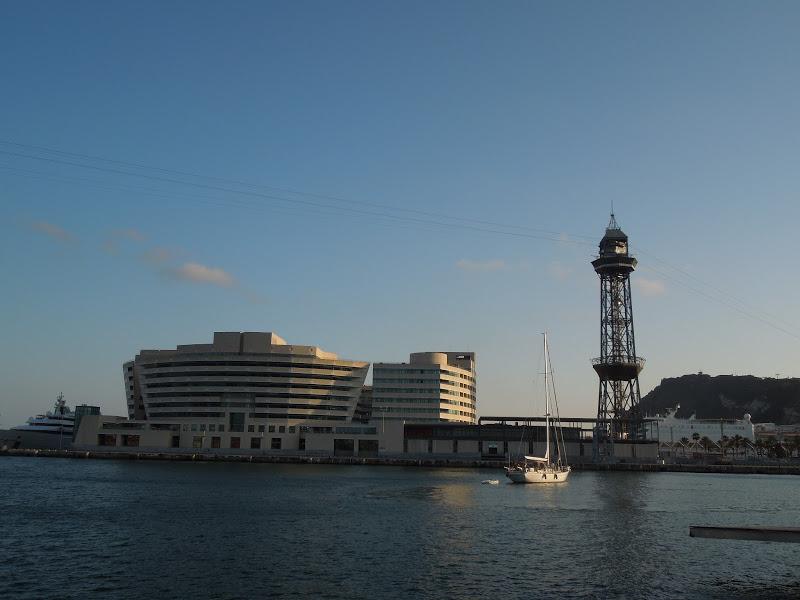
pixel 684 443
pixel 706 443
pixel 725 444
pixel 737 442
pixel 760 445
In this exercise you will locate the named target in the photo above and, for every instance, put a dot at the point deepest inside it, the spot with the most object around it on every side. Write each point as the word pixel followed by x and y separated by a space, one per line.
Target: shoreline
pixel 437 462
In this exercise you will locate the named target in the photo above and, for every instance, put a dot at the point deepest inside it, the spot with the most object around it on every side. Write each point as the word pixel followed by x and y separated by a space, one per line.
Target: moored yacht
pixel 60 420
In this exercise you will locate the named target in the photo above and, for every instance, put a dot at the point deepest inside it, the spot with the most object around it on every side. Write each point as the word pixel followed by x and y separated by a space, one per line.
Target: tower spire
pixel 612 223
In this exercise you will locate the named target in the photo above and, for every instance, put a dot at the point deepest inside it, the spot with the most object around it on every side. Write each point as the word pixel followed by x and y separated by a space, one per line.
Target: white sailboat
pixel 543 469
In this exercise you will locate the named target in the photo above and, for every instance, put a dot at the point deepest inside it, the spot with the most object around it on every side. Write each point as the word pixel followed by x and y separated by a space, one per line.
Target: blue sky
pixel 532 116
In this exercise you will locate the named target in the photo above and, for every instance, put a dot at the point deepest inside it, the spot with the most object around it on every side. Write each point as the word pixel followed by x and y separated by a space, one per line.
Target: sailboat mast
pixel 546 402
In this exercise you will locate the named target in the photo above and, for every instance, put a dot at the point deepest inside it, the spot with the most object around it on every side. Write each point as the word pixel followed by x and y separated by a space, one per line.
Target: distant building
pixel 671 429
pixel 433 387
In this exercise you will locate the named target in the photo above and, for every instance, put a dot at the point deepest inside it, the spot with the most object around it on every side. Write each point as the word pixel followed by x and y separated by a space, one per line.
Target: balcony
pixel 618 368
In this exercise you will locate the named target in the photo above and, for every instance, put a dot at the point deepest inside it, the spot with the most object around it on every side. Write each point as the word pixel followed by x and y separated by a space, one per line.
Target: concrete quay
pixel 399 461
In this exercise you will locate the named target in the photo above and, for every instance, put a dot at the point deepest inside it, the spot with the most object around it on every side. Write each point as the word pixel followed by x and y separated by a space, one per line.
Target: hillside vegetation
pixel 728 396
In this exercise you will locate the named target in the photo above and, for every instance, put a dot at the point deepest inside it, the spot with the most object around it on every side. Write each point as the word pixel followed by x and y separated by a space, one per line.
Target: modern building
pixel 433 387
pixel 671 429
pixel 244 390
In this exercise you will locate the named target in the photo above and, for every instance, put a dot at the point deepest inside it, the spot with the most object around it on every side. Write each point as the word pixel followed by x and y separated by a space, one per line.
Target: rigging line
pixel 292 191
pixel 715 288
pixel 728 304
pixel 296 200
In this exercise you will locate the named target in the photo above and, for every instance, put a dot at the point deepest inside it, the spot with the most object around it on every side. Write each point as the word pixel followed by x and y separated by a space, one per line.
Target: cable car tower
pixel 618 412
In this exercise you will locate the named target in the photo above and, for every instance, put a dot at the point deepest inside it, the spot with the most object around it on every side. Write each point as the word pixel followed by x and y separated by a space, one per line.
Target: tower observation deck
pixel 618 366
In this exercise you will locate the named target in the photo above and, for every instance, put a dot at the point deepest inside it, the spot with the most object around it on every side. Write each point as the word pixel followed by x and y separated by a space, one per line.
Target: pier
pixel 399 461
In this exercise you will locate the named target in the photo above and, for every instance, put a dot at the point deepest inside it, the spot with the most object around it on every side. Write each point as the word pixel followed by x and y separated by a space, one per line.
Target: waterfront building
pixel 248 389
pixel 671 429
pixel 433 387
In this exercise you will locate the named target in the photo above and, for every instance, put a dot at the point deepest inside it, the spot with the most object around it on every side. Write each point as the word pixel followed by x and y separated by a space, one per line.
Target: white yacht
pixel 543 469
pixel 60 420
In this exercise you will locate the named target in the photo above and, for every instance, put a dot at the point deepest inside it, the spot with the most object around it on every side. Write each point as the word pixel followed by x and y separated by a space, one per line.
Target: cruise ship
pixel 60 420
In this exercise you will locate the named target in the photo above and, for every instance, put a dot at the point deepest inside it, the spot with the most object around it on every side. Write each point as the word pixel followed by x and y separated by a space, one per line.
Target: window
pixel 202 426
pixel 215 440
pixel 302 444
pixel 236 442
pixel 222 428
pixel 212 427
pixel 106 439
pixel 176 441
pixel 255 443
pixel 194 426
pixel 291 428
pixel 237 421
pixel 282 429
pixel 276 443
pixel 251 428
pixel 130 440
pixel 272 428
pixel 260 429
pixel 197 441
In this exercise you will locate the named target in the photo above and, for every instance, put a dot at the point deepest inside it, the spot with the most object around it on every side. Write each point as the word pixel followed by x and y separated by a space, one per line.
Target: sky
pixel 381 178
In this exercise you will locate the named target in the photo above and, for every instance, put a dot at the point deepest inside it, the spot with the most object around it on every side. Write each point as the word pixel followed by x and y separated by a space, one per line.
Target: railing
pixel 618 360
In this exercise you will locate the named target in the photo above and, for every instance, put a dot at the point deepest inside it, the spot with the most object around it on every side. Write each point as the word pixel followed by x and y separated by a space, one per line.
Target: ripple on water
pixel 130 530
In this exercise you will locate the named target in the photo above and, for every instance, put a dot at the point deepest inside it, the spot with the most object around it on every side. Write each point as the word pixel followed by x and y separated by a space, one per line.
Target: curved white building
pixel 243 381
pixel 433 387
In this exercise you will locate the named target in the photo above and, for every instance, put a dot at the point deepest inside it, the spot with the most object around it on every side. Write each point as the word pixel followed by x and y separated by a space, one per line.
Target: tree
pixel 724 443
pixel 737 442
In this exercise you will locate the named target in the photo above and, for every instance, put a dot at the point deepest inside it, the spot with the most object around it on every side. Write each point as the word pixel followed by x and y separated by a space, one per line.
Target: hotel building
pixel 433 387
pixel 242 383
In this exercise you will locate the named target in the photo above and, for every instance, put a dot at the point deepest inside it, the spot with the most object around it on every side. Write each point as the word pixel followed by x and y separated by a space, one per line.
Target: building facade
pixel 433 387
pixel 248 389
pixel 670 429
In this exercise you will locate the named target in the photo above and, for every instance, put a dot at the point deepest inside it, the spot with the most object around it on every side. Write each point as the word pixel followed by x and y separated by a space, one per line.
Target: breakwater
pixel 400 461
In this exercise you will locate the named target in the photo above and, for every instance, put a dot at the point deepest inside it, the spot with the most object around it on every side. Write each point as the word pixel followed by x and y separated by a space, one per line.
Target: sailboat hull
pixel 521 475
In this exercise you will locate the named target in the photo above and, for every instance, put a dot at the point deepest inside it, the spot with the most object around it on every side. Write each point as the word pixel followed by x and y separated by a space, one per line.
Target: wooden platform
pixel 758 534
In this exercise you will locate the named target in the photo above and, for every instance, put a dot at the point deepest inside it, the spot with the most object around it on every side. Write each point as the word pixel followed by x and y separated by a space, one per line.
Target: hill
pixel 727 396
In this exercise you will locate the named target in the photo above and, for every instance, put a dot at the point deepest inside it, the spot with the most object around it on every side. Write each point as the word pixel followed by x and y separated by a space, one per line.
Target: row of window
pixel 218 415
pixel 248 383
pixel 461 375
pixel 251 428
pixel 378 381
pixel 249 395
pixel 276 374
pixel 105 439
pixel 435 400
pixel 247 363
pixel 287 406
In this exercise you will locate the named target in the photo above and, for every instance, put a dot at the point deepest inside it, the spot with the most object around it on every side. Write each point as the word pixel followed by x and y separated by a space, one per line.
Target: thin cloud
pixel 134 235
pixel 53 231
pixel 559 271
pixel 158 255
pixel 197 273
pixel 482 265
pixel 650 287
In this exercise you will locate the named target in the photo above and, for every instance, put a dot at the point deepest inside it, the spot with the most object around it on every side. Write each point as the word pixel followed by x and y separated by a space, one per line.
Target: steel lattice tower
pixel 618 411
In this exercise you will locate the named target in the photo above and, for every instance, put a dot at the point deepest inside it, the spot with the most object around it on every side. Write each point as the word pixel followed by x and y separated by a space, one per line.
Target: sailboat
pixel 543 469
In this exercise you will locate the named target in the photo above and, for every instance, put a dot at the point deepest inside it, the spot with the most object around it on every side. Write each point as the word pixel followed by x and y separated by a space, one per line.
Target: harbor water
pixel 127 529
